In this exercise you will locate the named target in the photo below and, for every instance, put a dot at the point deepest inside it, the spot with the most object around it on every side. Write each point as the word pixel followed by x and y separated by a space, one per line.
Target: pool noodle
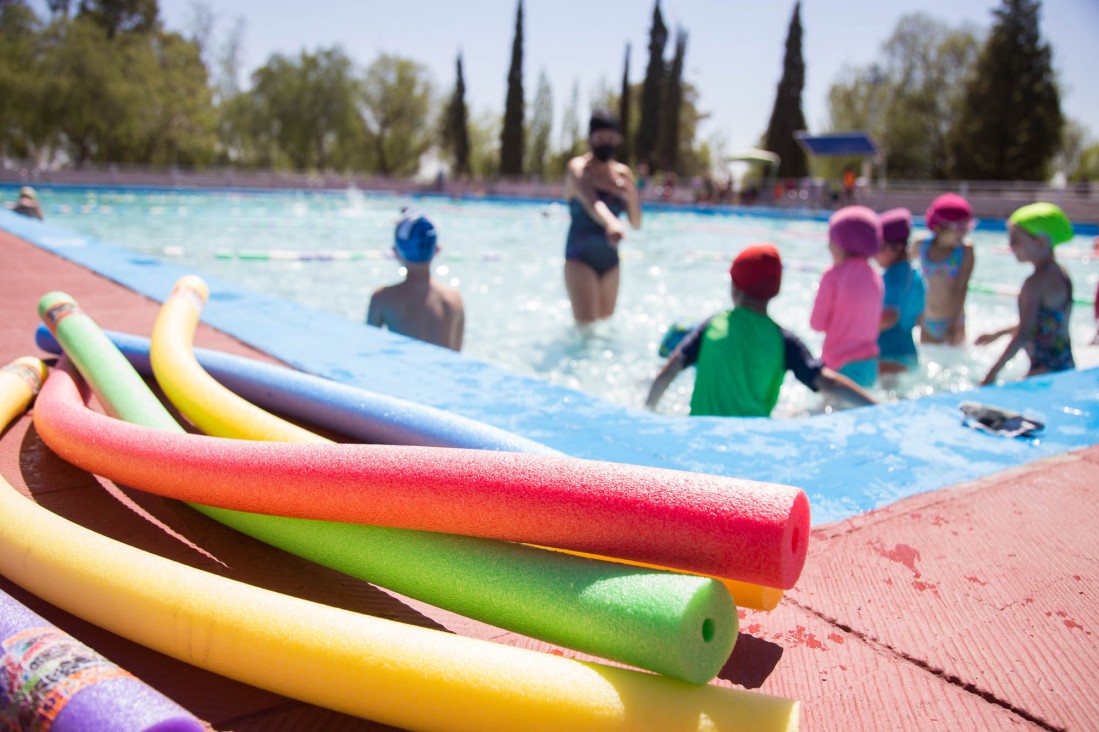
pixel 357 413
pixel 697 522
pixel 673 624
pixel 365 416
pixel 409 677
pixel 53 680
pixel 50 678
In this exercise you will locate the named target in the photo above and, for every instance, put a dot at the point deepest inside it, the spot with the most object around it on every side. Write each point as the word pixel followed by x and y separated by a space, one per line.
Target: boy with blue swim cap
pixel 420 307
pixel 742 356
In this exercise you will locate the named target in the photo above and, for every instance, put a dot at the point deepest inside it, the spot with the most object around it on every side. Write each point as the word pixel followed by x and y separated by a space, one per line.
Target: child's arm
pixel 664 379
pixel 960 290
pixel 459 328
pixel 374 314
pixel 889 317
pixel 1029 298
pixel 836 383
pixel 985 338
pixel 821 317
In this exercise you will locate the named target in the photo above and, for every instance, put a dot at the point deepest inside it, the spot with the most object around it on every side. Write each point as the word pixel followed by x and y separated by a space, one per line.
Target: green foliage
pixel 907 99
pixel 484 145
pixel 121 16
pixel 625 150
pixel 511 136
pixel 787 116
pixel 1009 125
pixel 652 92
pixel 20 79
pixel 672 108
pixel 541 124
pixel 1087 169
pixel 305 107
pixel 396 101
pixel 455 132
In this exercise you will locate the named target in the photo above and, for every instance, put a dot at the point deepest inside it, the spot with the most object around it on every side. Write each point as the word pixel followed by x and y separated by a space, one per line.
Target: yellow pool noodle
pixel 402 675
pixel 197 395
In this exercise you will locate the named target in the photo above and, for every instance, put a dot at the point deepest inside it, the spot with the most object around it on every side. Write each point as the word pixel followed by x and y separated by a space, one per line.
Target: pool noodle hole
pixel 708 630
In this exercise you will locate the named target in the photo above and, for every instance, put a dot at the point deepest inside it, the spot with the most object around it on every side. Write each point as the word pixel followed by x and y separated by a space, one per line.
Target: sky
pixel 734 48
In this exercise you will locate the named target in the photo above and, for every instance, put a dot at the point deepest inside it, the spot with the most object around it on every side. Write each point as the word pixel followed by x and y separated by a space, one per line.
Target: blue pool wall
pixel 848 462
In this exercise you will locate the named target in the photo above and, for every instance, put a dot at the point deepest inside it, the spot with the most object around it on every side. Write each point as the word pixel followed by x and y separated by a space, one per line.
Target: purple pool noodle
pixel 80 690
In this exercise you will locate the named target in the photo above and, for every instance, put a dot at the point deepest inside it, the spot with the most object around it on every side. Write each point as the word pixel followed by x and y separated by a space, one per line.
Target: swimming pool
pixel 328 251
pixel 848 461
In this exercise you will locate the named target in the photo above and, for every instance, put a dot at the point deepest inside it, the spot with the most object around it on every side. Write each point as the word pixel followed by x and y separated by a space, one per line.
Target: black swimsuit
pixel 587 239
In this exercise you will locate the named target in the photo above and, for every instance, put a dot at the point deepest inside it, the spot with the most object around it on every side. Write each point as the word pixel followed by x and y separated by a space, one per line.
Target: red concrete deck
pixel 972 607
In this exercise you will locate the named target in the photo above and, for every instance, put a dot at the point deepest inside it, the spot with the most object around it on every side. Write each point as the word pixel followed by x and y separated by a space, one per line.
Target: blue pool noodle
pixel 347 410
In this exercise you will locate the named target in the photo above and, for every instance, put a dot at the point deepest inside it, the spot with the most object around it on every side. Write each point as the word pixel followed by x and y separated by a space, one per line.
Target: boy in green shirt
pixel 742 355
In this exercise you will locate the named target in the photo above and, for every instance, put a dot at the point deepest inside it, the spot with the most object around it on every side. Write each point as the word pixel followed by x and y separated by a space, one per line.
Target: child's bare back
pixel 420 307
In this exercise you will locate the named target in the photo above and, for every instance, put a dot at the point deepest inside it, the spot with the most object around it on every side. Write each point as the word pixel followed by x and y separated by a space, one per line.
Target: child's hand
pixel 985 338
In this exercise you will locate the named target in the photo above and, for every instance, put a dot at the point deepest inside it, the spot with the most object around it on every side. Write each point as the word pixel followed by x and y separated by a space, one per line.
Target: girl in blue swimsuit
pixel 946 260
pixel 1045 301
pixel 599 189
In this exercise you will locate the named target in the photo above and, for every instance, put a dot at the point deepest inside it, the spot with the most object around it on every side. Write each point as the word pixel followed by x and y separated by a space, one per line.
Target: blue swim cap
pixel 415 237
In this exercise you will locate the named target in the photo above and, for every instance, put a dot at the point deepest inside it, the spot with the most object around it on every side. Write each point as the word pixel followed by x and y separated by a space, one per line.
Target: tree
pixel 511 136
pixel 20 79
pixel 672 108
pixel 648 130
pixel 571 142
pixel 907 98
pixel 541 125
pixel 1088 167
pixel 1074 141
pixel 624 101
pixel 1009 127
pixel 787 116
pixel 456 124
pixel 307 107
pixel 121 16
pixel 396 99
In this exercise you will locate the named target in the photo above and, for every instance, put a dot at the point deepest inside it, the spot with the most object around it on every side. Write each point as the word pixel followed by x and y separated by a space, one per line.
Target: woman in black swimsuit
pixel 598 189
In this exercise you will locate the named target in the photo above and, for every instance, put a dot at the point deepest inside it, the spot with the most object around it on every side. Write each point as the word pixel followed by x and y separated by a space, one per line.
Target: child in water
pixel 904 294
pixel 742 356
pixel 1045 302
pixel 420 307
pixel 848 307
pixel 946 258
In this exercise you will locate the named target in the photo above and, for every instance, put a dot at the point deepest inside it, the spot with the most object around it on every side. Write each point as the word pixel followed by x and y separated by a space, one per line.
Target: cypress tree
pixel 1009 127
pixel 624 110
pixel 787 116
pixel 648 130
pixel 511 136
pixel 456 125
pixel 673 104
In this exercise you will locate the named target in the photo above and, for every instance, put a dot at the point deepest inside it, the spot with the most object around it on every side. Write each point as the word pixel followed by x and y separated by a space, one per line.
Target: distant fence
pixel 990 199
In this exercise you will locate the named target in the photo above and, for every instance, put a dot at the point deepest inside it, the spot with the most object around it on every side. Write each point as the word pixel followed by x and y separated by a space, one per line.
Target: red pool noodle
pixel 745 530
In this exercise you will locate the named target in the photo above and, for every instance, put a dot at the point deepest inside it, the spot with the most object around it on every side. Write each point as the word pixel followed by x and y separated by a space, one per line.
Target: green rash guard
pixel 741 365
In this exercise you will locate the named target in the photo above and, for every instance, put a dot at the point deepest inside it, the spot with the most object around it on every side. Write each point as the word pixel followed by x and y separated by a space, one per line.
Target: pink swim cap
pixel 896 225
pixel 948 208
pixel 856 230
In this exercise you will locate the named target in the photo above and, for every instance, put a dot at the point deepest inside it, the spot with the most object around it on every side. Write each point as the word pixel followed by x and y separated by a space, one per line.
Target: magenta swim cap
pixel 948 208
pixel 856 230
pixel 896 225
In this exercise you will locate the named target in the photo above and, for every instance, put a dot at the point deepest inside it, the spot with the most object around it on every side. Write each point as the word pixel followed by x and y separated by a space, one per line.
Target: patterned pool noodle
pixel 50 680
pixel 400 675
pixel 363 416
pixel 674 624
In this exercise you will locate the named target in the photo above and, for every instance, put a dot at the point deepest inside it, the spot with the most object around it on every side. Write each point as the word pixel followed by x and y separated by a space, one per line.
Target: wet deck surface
pixel 972 607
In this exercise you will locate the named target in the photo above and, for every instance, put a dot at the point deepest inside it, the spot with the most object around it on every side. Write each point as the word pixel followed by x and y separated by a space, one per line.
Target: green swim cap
pixel 1044 218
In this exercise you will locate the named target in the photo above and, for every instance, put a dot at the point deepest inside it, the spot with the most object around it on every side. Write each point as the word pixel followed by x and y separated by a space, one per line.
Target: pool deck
pixel 969 607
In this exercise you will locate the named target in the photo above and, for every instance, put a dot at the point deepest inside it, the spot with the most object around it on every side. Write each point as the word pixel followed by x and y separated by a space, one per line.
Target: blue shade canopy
pixel 839 143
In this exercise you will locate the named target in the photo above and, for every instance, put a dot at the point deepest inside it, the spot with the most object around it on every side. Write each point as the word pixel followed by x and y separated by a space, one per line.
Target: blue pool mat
pixel 848 462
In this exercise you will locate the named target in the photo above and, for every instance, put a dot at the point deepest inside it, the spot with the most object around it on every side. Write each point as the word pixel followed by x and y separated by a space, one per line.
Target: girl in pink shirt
pixel 849 300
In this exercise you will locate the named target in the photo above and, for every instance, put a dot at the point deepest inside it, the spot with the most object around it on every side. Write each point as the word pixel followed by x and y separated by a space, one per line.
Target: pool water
pixel 329 251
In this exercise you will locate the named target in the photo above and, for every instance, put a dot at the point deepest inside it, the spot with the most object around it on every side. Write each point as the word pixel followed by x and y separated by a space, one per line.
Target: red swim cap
pixel 757 271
